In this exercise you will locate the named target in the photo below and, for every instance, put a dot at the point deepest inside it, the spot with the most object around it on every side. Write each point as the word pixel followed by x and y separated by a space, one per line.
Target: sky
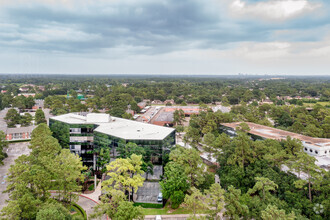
pixel 193 37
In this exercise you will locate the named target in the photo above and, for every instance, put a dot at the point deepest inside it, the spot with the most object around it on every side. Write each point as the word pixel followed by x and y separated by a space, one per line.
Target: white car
pixel 158 217
pixel 160 197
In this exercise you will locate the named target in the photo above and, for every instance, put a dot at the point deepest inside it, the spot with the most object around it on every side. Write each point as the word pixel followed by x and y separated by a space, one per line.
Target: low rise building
pixel 312 146
pixel 165 115
pixel 157 102
pixel 19 134
pixel 27 94
pixel 38 104
pixel 87 132
pixel 223 109
pixel 142 104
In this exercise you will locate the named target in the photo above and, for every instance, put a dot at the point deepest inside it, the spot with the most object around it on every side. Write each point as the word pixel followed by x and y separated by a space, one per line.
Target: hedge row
pixel 149 205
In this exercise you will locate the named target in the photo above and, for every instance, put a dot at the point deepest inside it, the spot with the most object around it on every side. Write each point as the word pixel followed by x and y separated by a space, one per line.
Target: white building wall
pixel 316 150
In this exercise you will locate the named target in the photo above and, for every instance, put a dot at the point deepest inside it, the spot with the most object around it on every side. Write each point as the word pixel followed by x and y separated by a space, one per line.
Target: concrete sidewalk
pixel 96 194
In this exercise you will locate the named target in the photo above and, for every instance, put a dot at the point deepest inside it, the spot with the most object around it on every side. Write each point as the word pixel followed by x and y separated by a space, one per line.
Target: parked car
pixel 160 197
pixel 158 217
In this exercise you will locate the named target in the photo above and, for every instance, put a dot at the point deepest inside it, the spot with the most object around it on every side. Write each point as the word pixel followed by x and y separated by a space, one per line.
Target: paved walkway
pixel 86 203
pixel 96 194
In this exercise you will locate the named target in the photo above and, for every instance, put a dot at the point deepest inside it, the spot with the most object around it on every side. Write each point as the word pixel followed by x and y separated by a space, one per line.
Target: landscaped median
pixel 80 212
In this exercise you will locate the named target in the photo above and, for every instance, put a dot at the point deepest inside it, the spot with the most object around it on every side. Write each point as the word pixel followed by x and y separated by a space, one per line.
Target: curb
pixel 84 197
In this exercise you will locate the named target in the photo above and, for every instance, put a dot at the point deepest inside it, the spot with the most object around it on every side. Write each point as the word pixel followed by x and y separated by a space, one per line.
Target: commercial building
pixel 165 115
pixel 18 134
pixel 313 146
pixel 87 132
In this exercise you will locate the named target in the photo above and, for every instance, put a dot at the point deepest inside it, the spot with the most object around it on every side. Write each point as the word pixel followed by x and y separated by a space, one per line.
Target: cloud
pixel 191 34
pixel 275 10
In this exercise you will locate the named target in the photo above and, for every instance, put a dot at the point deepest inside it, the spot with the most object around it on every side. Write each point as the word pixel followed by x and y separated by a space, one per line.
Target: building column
pixel 94 168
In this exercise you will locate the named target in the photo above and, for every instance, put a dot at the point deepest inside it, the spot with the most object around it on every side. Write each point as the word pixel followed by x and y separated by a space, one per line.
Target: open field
pixel 321 103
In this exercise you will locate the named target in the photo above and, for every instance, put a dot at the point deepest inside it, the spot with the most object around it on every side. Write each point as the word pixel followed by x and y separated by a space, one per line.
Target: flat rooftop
pixel 186 109
pixel 277 134
pixel 165 116
pixel 118 127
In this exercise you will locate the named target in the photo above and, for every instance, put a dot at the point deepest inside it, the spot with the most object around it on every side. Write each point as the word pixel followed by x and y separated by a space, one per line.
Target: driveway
pixel 13 151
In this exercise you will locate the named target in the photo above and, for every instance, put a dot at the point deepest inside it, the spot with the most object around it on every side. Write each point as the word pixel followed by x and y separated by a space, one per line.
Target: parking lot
pixel 13 151
pixel 148 193
pixel 158 171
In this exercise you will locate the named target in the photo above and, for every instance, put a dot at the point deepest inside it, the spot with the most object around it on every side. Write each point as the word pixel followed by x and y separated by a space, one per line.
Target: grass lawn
pixel 312 104
pixel 168 211
pixel 324 103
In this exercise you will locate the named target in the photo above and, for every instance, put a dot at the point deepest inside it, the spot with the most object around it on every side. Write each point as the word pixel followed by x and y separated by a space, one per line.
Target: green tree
pixel 243 127
pixel 225 101
pixel 195 201
pixel 127 115
pixel 178 117
pixel 148 168
pixel 216 145
pixel 127 211
pixel 3 145
pixel 54 211
pixel 19 102
pixel 306 164
pixel 127 150
pixel 264 185
pixel 209 140
pixel 61 132
pixel 12 211
pixel 234 208
pixel 67 171
pixel 32 176
pixel 126 174
pixel 284 120
pixel 42 144
pixel 192 136
pixel 176 199
pixel 272 212
pixel 103 158
pixel 12 118
pixel 275 154
pixel 191 162
pixel 313 131
pixel 109 204
pixel 174 181
pixel 26 120
pixel 215 200
pixel 243 153
pixel 292 146
pixel 40 117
